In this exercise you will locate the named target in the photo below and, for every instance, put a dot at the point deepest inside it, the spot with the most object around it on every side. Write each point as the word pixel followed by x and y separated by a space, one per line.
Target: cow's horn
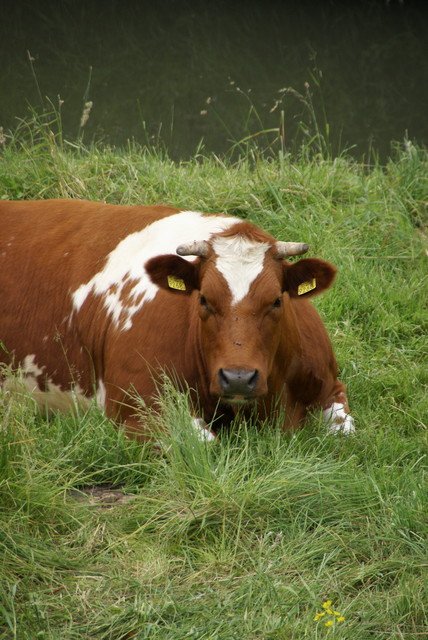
pixel 196 248
pixel 286 249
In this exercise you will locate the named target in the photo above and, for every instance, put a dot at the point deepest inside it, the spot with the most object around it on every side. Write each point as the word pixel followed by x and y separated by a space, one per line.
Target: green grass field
pixel 245 538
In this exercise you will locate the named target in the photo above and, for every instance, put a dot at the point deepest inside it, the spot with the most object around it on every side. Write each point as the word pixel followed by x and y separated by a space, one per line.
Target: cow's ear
pixel 308 277
pixel 173 273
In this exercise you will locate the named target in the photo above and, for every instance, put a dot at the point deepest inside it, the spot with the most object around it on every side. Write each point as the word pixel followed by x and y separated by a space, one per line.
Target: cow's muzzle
pixel 238 385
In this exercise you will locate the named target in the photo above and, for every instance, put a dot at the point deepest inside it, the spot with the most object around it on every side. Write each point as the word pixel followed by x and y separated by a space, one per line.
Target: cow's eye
pixel 203 302
pixel 277 303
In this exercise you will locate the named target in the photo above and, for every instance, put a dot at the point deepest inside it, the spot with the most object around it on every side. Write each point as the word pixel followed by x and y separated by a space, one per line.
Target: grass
pixel 246 537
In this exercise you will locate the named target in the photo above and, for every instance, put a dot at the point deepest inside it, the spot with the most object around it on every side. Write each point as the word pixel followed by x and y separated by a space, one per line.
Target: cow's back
pixel 47 250
pixel 66 240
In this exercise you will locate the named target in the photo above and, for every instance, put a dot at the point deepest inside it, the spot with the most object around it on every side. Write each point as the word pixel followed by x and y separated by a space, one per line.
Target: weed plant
pixel 259 533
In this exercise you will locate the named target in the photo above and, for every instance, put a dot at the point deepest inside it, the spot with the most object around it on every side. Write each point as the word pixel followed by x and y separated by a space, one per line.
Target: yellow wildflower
pixel 329 612
pixel 319 615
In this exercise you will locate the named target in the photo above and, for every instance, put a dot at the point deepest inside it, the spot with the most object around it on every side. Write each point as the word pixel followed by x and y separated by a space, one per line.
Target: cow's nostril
pixel 252 381
pixel 224 379
pixel 238 381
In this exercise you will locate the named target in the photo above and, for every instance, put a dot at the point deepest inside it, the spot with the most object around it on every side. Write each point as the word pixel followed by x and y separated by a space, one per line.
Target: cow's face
pixel 242 289
pixel 240 308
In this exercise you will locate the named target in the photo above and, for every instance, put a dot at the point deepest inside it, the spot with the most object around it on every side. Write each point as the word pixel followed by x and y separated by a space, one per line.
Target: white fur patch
pixel 338 421
pixel 53 398
pixel 125 264
pixel 204 434
pixel 101 394
pixel 56 399
pixel 29 366
pixel 240 261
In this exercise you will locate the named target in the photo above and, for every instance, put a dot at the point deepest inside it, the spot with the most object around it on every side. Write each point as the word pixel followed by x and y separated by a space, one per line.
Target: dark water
pixel 208 74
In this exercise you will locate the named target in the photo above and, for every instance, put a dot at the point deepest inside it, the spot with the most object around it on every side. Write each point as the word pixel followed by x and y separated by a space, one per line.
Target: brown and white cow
pixel 94 301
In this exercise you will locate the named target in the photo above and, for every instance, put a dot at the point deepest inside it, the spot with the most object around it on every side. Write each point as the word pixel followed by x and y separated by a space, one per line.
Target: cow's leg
pixel 295 416
pixel 336 411
pixel 203 432
pixel 290 412
pixel 132 420
pixel 138 431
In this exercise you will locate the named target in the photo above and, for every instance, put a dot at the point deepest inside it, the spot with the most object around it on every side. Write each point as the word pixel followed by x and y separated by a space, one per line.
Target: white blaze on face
pixel 125 264
pixel 240 261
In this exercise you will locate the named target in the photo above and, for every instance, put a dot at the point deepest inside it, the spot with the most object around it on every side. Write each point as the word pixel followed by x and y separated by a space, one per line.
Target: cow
pixel 97 301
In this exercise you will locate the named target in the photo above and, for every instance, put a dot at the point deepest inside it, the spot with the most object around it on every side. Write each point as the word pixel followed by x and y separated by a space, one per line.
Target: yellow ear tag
pixel 176 283
pixel 306 286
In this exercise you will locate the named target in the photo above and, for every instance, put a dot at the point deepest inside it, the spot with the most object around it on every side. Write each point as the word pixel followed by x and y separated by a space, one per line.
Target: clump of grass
pixel 311 137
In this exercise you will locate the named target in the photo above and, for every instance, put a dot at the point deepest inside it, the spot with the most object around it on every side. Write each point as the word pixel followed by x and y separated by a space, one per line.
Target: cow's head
pixel 242 286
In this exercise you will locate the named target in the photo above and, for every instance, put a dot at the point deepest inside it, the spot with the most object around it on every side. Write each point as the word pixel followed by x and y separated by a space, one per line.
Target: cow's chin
pixel 238 401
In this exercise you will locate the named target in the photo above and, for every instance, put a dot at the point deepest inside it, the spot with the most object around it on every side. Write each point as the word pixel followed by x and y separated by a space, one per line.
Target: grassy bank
pixel 248 537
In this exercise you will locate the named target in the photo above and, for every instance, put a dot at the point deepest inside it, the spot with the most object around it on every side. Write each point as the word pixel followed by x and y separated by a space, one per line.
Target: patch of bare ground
pixel 103 496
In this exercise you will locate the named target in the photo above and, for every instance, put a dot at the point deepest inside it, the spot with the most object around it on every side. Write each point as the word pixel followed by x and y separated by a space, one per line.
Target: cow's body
pixel 87 305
